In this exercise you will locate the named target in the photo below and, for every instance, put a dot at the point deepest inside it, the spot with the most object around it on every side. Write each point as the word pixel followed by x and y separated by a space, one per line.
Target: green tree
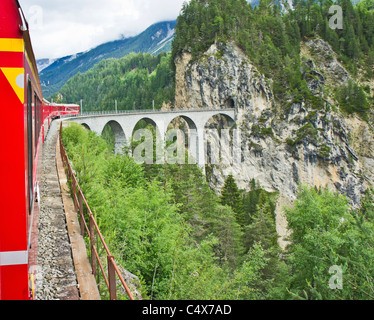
pixel 352 98
pixel 229 248
pixel 230 195
pixel 325 234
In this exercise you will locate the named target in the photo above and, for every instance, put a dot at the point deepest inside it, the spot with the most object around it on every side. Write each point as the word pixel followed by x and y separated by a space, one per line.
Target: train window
pixel 29 143
pixel 37 120
pixel 35 123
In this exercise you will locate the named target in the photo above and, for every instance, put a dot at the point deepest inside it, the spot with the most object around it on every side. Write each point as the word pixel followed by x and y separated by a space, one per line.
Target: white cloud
pixel 64 27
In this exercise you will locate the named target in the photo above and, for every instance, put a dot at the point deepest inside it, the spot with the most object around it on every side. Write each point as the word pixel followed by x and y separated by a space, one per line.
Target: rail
pixel 92 229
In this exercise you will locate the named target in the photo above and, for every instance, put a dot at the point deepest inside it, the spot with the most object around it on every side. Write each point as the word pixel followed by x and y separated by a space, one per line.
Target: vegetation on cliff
pixel 184 242
pixel 135 82
pixel 271 35
pixel 167 226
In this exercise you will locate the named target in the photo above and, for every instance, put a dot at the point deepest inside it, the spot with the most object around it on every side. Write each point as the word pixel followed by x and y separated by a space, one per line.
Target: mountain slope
pixel 303 93
pixel 135 81
pixel 156 39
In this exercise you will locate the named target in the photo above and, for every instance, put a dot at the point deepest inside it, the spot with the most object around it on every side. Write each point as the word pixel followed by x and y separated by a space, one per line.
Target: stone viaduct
pixel 123 125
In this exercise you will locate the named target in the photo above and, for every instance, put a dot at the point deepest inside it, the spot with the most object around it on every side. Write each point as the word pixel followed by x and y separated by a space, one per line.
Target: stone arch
pixel 220 120
pixel 86 126
pixel 150 141
pixel 220 140
pixel 192 139
pixel 191 124
pixel 147 121
pixel 120 140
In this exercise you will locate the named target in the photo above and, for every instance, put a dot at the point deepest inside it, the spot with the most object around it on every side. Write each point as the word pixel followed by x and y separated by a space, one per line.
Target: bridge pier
pixel 193 144
pixel 197 148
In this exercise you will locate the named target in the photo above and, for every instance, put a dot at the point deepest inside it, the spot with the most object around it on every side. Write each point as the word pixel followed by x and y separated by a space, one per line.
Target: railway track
pixel 55 278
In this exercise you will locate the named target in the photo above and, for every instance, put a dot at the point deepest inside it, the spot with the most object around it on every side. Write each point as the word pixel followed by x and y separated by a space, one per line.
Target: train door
pixel 37 121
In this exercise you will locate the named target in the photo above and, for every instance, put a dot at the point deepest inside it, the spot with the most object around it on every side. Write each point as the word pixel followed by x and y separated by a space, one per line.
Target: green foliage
pixel 352 98
pixel 135 81
pixel 108 136
pixel 230 195
pixel 57 74
pixel 307 131
pixel 324 151
pixel 165 224
pixel 327 233
pixel 271 38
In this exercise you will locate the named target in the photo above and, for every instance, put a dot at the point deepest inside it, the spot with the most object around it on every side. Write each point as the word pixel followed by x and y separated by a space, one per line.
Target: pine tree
pixel 250 201
pixel 326 233
pixel 230 196
pixel 262 228
pixel 229 234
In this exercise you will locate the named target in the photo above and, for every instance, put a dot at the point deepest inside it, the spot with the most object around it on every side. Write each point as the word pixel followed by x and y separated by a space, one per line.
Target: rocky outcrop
pixel 326 61
pixel 280 150
pixel 222 77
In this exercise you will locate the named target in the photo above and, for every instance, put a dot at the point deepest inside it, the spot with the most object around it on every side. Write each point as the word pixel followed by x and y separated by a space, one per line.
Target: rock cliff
pixel 281 146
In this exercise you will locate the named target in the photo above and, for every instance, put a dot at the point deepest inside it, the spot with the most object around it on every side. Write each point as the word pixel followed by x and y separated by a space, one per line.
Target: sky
pixel 64 27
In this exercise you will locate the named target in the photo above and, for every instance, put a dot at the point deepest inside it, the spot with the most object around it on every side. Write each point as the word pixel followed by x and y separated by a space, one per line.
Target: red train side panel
pixel 24 117
pixel 13 220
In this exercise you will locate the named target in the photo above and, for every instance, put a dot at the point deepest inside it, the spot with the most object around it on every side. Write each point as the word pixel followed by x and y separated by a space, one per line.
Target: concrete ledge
pixel 86 280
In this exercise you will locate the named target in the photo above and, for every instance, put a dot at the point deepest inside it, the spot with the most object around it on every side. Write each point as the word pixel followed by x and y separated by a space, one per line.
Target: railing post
pixel 81 203
pixel 81 213
pixel 74 187
pixel 92 238
pixel 112 279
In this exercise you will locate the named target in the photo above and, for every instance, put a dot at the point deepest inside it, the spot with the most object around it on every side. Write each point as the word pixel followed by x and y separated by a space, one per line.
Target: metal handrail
pixel 81 205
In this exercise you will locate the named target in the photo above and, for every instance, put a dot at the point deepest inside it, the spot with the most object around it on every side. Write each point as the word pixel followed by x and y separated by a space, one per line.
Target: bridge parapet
pixel 145 111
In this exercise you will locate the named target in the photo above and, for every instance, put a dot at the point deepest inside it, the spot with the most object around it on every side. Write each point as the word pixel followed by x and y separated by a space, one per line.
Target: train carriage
pixel 24 120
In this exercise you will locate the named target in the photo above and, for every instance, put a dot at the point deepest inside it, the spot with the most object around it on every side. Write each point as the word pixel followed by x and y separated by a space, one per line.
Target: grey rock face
pixel 279 149
pixel 328 63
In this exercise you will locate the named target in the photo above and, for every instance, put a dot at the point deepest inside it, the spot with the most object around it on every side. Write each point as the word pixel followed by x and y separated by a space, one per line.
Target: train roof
pixel 45 101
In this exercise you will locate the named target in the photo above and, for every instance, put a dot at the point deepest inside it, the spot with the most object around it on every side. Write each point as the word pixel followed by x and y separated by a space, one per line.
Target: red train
pixel 24 120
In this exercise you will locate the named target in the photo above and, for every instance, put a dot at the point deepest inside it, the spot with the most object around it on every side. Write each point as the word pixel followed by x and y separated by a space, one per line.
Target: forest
pixel 164 223
pixel 136 81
